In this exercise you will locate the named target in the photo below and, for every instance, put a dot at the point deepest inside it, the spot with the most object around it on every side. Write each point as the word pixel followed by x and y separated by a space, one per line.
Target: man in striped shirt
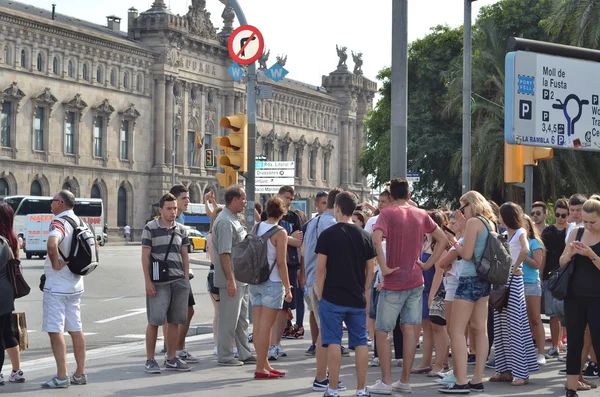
pixel 165 240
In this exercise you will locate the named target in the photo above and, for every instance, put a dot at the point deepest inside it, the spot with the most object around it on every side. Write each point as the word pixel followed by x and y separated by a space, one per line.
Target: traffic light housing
pixel 228 178
pixel 532 154
pixel 516 157
pixel 235 143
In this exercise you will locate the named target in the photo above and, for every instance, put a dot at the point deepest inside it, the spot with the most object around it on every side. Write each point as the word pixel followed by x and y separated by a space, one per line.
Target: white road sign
pixel 274 181
pixel 261 173
pixel 267 189
pixel 552 101
pixel 276 164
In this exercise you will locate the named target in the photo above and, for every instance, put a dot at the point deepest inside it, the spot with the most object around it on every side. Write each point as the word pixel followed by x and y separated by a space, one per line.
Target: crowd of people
pixel 395 273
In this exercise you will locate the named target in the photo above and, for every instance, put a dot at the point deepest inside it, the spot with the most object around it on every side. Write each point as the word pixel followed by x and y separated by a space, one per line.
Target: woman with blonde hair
pixel 471 298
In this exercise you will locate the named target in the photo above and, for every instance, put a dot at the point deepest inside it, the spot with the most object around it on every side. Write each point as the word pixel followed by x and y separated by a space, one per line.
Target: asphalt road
pixel 113 304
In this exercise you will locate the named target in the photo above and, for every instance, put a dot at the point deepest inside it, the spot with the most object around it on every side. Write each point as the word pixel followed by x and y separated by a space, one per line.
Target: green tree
pixel 575 22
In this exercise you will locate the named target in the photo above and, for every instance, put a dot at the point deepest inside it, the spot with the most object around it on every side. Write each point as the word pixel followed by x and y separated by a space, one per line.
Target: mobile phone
pixel 447 229
pixel 578 243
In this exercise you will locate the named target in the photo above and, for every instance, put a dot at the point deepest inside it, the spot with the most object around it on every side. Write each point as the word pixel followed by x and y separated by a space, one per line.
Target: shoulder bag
pixel 15 274
pixel 499 296
pixel 558 284
pixel 159 270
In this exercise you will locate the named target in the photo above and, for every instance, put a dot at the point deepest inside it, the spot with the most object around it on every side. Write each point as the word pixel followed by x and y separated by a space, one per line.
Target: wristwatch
pixel 594 259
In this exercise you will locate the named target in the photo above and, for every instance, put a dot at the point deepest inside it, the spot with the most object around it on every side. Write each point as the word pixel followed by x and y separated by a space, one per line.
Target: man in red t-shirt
pixel 403 226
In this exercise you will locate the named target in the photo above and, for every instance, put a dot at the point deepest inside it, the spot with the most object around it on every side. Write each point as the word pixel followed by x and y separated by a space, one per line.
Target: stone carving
pixel 46 99
pixel 105 108
pixel 286 140
pixel 130 112
pixel 228 16
pixel 262 60
pixel 343 56
pixel 199 22
pixel 172 57
pixel 358 62
pixel 327 149
pixel 76 104
pixel 12 93
pixel 300 144
pixel 281 60
pixel 315 145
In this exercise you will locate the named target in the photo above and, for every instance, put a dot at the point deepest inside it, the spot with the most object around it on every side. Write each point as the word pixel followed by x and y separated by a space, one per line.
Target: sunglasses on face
pixel 564 216
pixel 462 209
pixel 536 213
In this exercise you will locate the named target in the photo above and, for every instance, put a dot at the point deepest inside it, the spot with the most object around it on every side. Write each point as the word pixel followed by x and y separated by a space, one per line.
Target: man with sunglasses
pixel 553 238
pixel 539 214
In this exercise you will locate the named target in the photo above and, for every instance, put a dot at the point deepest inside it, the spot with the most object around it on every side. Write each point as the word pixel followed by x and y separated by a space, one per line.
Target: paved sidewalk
pixel 119 371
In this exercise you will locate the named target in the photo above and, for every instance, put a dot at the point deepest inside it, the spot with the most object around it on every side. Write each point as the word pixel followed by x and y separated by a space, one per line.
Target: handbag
pixel 499 296
pixel 438 308
pixel 159 270
pixel 15 274
pixel 558 284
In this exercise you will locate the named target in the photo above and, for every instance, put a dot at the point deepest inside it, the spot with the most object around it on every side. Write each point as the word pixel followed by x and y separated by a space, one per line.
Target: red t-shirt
pixel 404 228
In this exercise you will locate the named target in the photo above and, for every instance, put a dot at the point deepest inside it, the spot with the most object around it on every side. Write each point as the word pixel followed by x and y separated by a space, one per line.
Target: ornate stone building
pixel 100 111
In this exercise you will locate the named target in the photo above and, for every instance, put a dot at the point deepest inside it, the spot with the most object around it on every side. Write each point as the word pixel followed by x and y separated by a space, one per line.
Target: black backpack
pixel 496 261
pixel 83 255
pixel 249 257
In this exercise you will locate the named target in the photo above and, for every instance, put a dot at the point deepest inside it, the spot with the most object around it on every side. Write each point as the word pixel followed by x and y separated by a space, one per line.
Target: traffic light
pixel 234 144
pixel 230 177
pixel 532 154
pixel 513 164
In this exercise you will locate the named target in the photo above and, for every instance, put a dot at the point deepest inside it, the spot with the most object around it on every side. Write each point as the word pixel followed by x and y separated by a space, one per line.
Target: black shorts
pixel 191 300
pixel 293 275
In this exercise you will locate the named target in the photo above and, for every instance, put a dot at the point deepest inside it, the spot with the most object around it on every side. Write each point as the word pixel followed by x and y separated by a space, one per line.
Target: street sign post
pixel 246 44
pixel 551 101
pixel 276 164
pixel 413 177
pixel 274 173
pixel 271 175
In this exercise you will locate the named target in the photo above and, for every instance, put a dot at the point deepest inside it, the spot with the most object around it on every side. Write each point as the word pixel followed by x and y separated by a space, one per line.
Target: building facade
pixel 104 112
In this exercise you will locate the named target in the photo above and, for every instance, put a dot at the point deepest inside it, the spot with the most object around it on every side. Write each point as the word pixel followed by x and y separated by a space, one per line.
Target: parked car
pixel 197 240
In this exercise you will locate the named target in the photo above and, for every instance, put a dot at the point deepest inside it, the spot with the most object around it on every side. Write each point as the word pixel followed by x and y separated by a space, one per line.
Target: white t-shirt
pixel 63 281
pixel 455 269
pixel 572 226
pixel 369 229
pixel 515 245
pixel 127 229
pixel 271 251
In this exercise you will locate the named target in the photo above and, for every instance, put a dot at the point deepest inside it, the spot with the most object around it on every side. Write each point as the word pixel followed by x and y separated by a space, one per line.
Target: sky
pixel 307 31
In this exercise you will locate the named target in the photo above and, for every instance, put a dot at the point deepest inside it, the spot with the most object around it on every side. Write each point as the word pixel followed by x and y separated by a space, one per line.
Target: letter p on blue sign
pixel 525 110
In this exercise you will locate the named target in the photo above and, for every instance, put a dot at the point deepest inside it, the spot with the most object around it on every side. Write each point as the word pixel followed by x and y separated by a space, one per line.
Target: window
pixel 138 83
pixel 55 65
pixel 283 153
pixel 70 69
pixel 86 77
pixel 98 127
pixel 6 54
pixel 39 128
pixel 23 59
pixel 36 189
pixel 208 135
pixel 95 192
pixel 113 78
pixel 69 133
pixel 126 80
pixel 4 190
pixel 122 207
pixel 326 168
pixel 99 75
pixel 67 186
pixel 191 146
pixel 298 163
pixel 312 165
pixel 125 140
pixel 40 62
pixel 5 123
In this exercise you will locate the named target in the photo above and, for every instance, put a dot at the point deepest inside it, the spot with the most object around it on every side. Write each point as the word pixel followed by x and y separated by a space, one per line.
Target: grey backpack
pixel 496 261
pixel 249 258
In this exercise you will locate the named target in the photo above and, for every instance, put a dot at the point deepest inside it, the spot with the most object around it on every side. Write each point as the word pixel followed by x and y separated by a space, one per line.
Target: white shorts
pixel 450 283
pixel 61 313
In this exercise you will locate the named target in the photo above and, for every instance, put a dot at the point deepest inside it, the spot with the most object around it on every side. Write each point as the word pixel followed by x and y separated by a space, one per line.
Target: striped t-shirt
pixel 157 238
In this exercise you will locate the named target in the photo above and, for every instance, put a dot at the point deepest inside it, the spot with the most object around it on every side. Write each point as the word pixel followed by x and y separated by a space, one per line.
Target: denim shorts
pixel 406 304
pixel 451 284
pixel 559 310
pixel 268 294
pixel 533 289
pixel 332 317
pixel 548 301
pixel 471 289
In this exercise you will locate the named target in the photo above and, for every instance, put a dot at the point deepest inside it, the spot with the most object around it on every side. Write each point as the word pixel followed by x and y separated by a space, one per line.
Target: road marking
pixel 132 336
pixel 84 334
pixel 113 299
pixel 134 313
pixel 31 331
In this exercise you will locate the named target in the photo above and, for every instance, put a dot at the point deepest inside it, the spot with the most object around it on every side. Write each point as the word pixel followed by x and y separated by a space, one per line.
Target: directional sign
pixel 276 72
pixel 287 173
pixel 276 164
pixel 246 44
pixel 264 91
pixel 267 189
pixel 235 71
pixel 274 181
pixel 550 101
pixel 413 177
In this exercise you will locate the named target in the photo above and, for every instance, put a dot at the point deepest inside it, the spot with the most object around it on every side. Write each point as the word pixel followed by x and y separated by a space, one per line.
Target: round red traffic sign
pixel 246 44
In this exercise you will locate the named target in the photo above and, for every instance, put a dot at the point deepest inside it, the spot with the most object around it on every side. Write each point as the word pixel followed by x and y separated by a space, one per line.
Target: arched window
pixel 36 188
pixel 23 59
pixel 67 186
pixel 40 62
pixel 138 83
pixel 4 190
pixel 113 78
pixel 209 130
pixel 55 65
pixel 70 69
pixel 122 207
pixel 96 191
pixel 99 75
pixel 6 54
pixel 126 80
pixel 86 77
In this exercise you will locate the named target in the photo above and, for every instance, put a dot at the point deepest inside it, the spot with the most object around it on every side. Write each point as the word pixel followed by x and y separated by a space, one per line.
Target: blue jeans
pixel 332 316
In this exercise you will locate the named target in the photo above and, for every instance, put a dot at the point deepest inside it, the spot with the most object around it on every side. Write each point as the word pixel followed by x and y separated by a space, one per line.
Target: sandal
pixel 505 377
pixel 583 386
pixel 592 385
pixel 420 371
pixel 519 382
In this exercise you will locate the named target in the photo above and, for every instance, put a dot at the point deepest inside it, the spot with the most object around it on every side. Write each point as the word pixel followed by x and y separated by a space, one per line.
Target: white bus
pixel 89 209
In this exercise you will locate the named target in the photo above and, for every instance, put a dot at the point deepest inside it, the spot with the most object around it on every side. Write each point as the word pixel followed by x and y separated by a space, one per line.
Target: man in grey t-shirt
pixel 233 306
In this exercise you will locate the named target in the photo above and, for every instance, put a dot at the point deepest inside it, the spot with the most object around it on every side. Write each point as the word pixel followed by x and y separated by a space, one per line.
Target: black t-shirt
pixel 348 248
pixel 585 279
pixel 290 222
pixel 554 242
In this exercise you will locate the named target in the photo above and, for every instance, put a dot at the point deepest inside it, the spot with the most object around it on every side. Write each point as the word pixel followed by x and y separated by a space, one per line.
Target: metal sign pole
pixel 398 149
pixel 251 110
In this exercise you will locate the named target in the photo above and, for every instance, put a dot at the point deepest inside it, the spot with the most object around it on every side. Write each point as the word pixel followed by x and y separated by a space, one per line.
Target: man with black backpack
pixel 62 291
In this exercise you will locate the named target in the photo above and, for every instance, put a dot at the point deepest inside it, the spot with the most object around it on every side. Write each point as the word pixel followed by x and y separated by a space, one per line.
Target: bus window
pixel 13 202
pixel 87 209
pixel 35 206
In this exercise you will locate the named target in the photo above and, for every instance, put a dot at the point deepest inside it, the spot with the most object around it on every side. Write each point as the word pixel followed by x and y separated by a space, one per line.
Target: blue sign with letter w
pixel 276 72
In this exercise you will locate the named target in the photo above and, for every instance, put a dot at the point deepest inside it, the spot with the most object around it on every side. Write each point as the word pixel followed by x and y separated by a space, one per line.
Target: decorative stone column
pixel 169 121
pixel 185 121
pixel 159 121
pixel 238 103
pixel 344 164
pixel 360 136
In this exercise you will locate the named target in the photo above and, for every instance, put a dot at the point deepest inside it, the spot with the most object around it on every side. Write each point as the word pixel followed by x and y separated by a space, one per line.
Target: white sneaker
pixel 16 377
pixel 215 351
pixel 400 387
pixel 273 353
pixel 281 352
pixel 235 352
pixel 380 388
pixel 374 362
pixel 187 357
pixel 541 359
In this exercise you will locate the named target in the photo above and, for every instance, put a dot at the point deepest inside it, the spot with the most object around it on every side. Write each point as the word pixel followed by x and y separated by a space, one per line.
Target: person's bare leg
pixel 472 340
pixel 479 321
pixel 278 327
pixel 165 339
pixel 371 327
pixel 183 329
pixel 321 357
pixel 334 362
pixel 59 350
pixel 427 347
pixel 79 351
pixel 172 336
pixel 461 313
pixel 535 322
pixel 15 357
pixel 151 336
pixel 361 361
pixel 314 328
pixel 408 350
pixel 555 330
pixel 384 351
pixel 440 337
